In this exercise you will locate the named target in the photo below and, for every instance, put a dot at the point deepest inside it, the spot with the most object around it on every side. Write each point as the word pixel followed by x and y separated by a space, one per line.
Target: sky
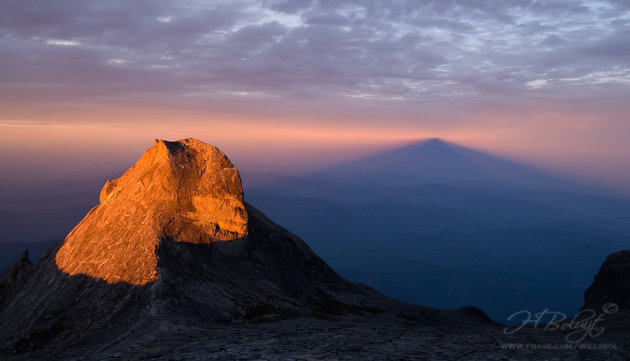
pixel 288 86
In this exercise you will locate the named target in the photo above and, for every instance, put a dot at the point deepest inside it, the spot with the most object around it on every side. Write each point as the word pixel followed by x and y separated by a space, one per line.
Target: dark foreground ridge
pixel 226 283
pixel 612 282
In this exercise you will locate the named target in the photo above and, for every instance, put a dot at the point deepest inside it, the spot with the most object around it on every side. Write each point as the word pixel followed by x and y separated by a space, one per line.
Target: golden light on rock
pixel 186 190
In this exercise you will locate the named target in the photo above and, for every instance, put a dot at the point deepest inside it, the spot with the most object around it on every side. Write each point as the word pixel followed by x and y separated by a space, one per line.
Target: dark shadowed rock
pixel 15 276
pixel 612 283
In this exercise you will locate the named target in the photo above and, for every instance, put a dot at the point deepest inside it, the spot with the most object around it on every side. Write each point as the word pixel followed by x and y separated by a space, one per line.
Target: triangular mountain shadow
pixel 435 161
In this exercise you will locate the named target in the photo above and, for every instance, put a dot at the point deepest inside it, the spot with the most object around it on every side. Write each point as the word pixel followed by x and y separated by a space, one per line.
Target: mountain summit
pixel 186 190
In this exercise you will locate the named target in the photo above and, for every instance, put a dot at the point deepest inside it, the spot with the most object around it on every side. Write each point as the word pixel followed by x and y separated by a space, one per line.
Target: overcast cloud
pixel 409 52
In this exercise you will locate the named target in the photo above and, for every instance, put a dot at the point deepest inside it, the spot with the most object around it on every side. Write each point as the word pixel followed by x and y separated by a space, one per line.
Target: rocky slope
pixel 173 264
pixel 609 295
pixel 612 283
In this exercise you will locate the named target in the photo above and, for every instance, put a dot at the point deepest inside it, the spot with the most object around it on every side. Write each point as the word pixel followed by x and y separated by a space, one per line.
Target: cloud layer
pixel 549 69
pixel 427 52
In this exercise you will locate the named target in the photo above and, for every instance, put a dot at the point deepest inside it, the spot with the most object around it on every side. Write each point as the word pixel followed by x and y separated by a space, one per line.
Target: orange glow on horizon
pixel 576 143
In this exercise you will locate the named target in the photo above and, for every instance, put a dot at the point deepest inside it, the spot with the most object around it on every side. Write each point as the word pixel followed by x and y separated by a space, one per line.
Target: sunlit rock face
pixel 186 190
